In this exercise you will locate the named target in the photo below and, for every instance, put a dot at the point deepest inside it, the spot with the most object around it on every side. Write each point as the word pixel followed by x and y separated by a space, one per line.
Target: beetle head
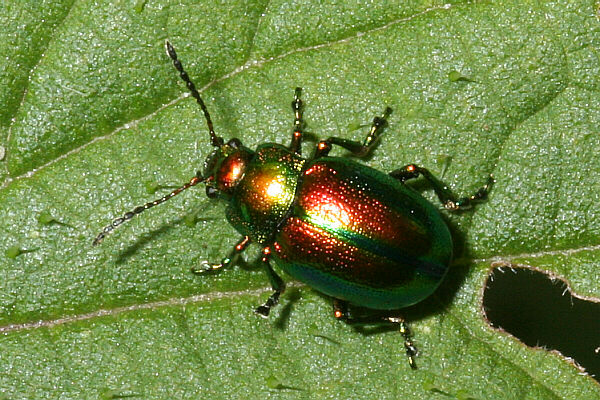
pixel 225 167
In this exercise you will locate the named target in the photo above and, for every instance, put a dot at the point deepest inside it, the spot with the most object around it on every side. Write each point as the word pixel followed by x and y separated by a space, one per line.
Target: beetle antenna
pixel 214 139
pixel 139 209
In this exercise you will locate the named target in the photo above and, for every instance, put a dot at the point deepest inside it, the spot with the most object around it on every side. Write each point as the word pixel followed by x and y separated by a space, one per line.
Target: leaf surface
pixel 94 114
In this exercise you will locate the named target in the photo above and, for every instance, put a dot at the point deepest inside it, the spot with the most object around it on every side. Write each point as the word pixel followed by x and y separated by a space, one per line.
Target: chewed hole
pixel 540 310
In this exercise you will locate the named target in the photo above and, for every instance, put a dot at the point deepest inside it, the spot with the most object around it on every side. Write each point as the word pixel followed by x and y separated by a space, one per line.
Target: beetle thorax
pixel 266 192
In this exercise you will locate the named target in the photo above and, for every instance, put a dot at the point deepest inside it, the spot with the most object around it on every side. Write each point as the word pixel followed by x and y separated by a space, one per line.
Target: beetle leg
pixel 357 148
pixel 295 146
pixel 411 349
pixel 340 311
pixel 448 199
pixel 276 283
pixel 238 249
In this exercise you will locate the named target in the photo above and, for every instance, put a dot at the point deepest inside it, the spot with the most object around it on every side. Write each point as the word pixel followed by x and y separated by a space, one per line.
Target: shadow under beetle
pixel 349 231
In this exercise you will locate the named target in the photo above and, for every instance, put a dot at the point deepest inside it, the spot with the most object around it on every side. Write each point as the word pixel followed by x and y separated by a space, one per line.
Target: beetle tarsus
pixel 448 199
pixel 341 312
pixel 276 283
pixel 272 301
pixel 409 346
pixel 225 262
pixel 263 311
pixel 358 149
pixel 206 267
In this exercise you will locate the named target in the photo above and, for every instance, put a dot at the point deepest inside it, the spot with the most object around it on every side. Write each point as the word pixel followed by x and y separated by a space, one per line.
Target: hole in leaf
pixel 540 310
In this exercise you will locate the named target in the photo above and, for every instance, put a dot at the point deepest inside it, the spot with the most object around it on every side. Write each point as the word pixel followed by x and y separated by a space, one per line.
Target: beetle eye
pixel 211 192
pixel 235 143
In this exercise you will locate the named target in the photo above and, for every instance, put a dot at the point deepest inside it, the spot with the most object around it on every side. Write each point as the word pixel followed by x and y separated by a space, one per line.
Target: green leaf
pixel 93 110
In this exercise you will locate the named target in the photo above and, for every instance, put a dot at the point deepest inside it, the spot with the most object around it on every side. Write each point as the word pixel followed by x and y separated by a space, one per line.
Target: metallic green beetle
pixel 352 232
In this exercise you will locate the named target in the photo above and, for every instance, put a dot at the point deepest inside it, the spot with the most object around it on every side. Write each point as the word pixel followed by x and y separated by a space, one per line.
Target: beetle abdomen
pixel 360 235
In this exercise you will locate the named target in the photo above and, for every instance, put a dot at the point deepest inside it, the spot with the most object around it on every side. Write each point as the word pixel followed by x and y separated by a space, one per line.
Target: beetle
pixel 349 231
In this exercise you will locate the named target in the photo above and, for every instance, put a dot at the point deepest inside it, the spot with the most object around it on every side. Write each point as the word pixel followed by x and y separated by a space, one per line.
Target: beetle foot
pixel 272 301
pixel 203 268
pixel 206 267
pixel 263 311
pixel 409 346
